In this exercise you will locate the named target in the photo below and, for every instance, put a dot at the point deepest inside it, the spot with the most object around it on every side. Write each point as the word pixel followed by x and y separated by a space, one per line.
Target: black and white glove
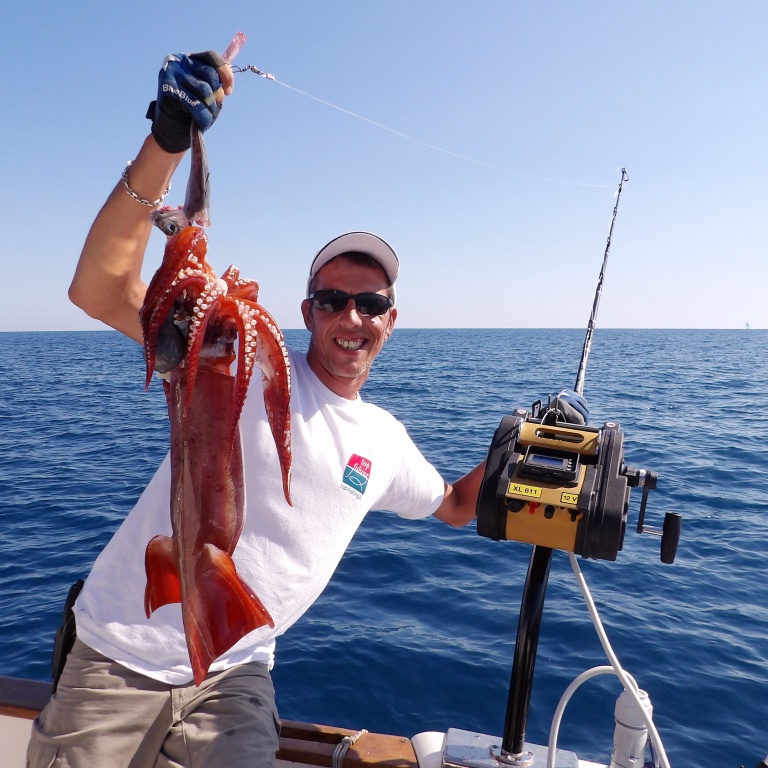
pixel 186 93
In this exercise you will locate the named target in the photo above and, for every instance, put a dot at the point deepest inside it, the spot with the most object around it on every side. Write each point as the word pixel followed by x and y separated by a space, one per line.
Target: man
pixel 125 697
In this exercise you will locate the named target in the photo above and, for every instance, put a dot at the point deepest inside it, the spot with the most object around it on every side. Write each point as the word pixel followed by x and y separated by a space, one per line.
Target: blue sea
pixel 417 629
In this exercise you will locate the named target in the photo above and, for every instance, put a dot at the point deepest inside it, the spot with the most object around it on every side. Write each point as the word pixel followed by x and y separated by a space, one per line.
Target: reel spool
pixel 563 486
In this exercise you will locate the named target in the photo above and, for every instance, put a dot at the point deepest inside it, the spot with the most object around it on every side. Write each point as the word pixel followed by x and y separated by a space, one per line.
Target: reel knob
pixel 670 536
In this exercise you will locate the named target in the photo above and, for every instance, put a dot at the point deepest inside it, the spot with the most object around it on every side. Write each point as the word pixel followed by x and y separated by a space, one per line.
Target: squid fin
pixel 163 585
pixel 222 610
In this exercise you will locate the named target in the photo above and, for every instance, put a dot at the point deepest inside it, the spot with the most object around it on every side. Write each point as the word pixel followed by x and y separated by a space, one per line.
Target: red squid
pixel 196 326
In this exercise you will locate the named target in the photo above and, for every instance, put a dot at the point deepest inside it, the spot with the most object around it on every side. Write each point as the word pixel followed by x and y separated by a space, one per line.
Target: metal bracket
pixel 466 749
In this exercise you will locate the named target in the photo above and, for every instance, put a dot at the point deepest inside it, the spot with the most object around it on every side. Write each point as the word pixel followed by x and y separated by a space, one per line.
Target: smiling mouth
pixel 350 344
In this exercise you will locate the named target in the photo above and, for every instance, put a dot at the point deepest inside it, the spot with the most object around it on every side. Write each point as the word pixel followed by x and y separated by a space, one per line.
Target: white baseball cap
pixel 359 242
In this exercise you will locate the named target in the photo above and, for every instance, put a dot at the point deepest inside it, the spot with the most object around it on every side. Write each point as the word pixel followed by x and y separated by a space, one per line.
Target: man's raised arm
pixel 107 284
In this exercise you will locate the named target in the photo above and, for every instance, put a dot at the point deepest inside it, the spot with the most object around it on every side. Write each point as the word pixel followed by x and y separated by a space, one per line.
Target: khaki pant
pixel 103 714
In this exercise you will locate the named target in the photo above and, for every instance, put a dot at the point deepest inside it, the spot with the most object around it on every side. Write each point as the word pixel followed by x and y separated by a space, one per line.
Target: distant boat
pixel 747 326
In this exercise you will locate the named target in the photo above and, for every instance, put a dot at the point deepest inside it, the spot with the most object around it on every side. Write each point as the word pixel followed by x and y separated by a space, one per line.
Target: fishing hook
pixel 255 70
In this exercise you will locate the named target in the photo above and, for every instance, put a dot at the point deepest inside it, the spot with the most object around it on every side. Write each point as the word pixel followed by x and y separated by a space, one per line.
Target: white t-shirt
pixel 349 457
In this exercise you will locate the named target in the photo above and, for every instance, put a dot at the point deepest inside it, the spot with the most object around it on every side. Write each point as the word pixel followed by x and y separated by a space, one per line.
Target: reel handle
pixel 673 521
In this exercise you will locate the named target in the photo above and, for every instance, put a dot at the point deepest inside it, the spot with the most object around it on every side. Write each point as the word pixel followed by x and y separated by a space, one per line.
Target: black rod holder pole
pixel 529 624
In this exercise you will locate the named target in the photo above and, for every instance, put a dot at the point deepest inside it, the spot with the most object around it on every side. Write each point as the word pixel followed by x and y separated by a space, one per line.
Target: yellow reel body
pixel 556 485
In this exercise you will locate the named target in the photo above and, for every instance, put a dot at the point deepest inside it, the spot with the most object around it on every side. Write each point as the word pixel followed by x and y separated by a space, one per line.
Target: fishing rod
pixel 569 479
pixel 558 485
pixel 579 386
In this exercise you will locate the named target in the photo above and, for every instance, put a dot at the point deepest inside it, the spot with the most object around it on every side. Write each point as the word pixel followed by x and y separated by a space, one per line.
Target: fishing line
pixel 400 134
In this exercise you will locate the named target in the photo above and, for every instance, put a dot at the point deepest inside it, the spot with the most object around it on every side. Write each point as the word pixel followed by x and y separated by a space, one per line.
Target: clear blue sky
pixel 556 97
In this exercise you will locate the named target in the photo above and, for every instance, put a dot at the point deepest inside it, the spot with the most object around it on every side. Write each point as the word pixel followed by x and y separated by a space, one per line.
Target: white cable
pixel 626 680
pixel 564 699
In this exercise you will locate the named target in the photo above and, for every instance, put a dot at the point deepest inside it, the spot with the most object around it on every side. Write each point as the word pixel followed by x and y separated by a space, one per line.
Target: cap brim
pixel 359 242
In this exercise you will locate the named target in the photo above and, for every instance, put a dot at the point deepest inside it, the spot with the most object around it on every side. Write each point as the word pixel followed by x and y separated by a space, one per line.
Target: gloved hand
pixel 572 406
pixel 186 90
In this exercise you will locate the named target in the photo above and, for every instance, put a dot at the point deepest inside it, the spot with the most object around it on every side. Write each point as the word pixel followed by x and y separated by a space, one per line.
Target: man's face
pixel 344 344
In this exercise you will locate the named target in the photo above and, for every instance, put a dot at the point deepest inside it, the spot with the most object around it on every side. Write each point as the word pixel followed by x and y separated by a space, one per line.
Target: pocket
pixel 42 752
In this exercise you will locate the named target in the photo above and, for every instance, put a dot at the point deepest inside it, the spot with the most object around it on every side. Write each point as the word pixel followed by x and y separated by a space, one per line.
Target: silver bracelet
pixel 148 203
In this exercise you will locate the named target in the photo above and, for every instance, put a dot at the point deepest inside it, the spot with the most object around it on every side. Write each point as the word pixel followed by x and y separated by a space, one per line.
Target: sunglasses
pixel 368 304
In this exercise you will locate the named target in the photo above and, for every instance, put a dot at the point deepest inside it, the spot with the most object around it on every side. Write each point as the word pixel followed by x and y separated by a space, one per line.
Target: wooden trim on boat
pixel 299 742
pixel 315 745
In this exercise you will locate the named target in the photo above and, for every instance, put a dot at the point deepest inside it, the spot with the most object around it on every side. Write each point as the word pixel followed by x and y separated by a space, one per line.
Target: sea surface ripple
pixel 417 629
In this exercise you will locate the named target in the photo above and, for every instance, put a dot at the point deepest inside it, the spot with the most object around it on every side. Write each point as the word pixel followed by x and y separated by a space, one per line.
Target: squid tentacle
pixel 206 307
pixel 184 255
pixel 265 348
pixel 241 287
pixel 156 319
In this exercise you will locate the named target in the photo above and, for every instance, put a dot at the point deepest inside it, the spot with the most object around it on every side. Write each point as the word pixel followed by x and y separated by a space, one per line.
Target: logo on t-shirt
pixel 356 475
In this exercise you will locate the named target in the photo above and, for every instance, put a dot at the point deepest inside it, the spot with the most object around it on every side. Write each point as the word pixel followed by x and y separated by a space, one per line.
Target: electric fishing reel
pixel 563 486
